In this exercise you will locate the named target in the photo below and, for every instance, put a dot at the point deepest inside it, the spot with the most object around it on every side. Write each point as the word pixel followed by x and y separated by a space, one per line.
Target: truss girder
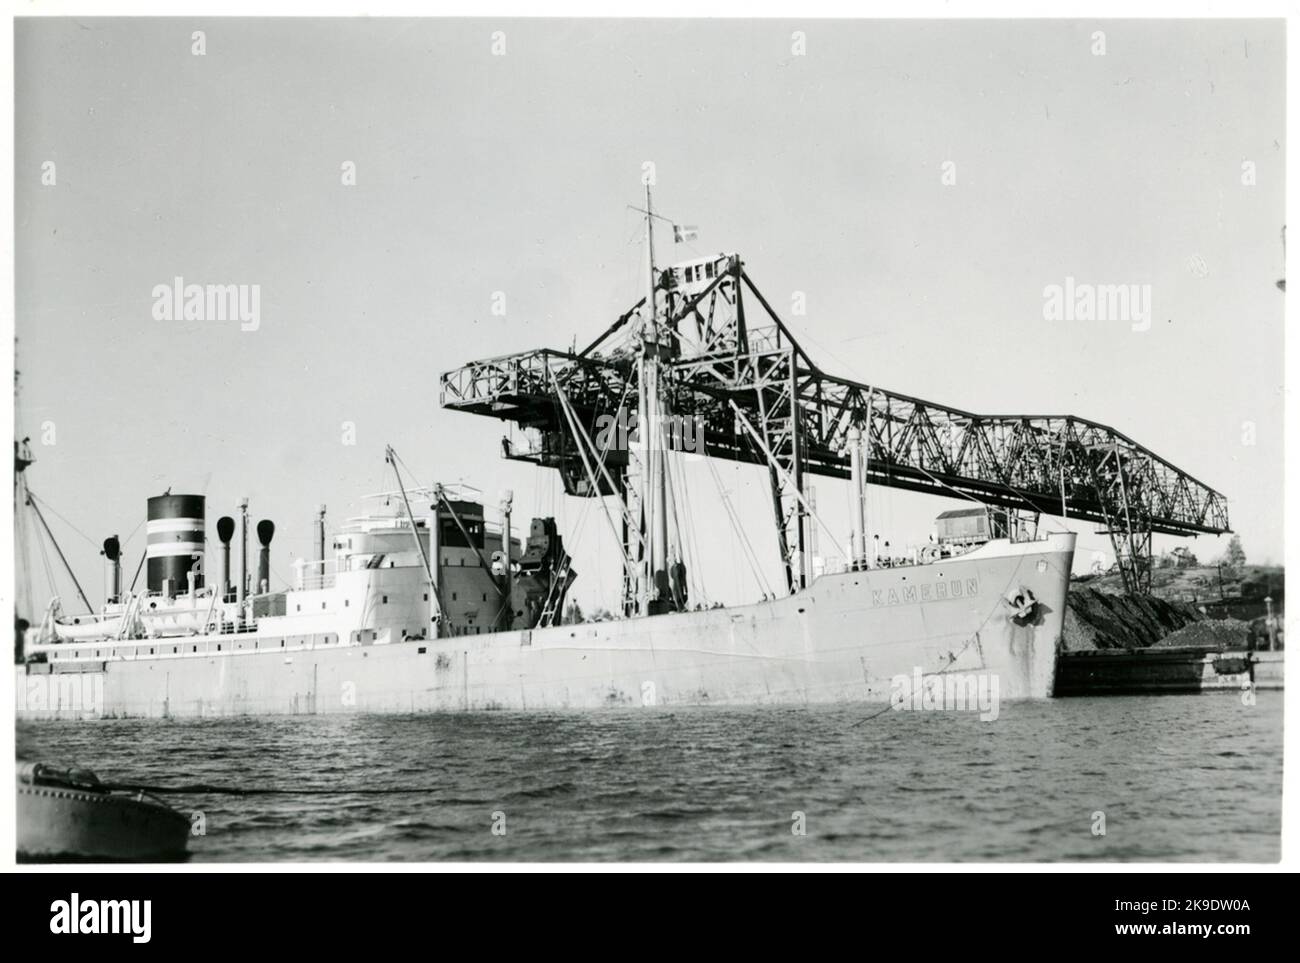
pixel 1059 464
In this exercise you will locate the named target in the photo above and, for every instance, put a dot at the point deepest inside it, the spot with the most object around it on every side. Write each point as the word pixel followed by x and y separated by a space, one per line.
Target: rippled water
pixel 1178 778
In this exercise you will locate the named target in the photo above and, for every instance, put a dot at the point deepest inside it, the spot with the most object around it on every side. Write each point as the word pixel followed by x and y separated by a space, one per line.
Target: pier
pixel 1169 669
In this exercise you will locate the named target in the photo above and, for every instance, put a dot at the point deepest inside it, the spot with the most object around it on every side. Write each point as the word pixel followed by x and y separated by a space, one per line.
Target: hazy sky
pixel 478 173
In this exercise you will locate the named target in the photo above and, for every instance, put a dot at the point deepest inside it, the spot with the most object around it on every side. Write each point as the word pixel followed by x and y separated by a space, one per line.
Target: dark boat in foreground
pixel 67 815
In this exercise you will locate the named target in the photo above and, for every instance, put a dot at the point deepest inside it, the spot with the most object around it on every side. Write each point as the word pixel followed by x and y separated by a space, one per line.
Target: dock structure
pixel 1166 669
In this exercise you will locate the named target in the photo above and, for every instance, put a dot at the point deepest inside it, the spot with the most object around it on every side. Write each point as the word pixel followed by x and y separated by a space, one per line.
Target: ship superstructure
pixel 422 563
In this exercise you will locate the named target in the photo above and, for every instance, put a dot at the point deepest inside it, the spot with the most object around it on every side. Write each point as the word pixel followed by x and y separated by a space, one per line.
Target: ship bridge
pixel 729 357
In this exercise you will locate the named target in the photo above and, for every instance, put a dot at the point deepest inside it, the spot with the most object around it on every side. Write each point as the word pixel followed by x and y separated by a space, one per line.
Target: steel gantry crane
pixel 724 372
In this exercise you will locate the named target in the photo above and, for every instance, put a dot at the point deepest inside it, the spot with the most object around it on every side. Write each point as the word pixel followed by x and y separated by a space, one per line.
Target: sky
pixel 916 184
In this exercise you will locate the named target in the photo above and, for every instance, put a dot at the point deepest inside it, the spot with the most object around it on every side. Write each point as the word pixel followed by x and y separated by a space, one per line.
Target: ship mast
pixel 22 570
pixel 25 498
pixel 655 591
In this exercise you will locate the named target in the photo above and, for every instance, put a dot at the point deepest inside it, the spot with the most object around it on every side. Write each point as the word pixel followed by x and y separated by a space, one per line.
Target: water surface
pixel 1195 777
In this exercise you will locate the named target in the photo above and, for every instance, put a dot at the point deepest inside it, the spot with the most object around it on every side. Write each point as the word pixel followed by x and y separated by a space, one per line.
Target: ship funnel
pixel 113 574
pixel 225 532
pixel 175 541
pixel 265 532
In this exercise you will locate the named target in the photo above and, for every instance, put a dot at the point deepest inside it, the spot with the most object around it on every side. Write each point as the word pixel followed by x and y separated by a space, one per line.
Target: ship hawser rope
pixel 952 658
pixel 207 789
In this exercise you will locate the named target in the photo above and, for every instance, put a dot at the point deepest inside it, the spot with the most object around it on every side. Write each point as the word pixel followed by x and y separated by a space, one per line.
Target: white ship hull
pixel 845 638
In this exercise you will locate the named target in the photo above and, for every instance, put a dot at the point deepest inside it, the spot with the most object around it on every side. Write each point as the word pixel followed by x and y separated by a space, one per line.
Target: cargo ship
pixel 423 603
pixel 371 631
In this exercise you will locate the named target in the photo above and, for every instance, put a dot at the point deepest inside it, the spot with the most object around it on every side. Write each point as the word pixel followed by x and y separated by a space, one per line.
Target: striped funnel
pixel 175 529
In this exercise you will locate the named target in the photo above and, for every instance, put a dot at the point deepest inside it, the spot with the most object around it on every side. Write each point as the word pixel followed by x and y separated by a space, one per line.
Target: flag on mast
pixel 685 232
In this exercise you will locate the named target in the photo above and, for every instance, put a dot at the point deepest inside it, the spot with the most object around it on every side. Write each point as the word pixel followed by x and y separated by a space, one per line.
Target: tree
pixel 1234 559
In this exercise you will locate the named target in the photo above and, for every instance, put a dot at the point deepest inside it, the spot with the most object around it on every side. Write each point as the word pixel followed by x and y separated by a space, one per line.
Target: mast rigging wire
pixel 750 555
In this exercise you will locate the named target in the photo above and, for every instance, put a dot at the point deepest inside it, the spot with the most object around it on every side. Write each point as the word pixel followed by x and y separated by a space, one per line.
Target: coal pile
pixel 1211 634
pixel 1099 620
